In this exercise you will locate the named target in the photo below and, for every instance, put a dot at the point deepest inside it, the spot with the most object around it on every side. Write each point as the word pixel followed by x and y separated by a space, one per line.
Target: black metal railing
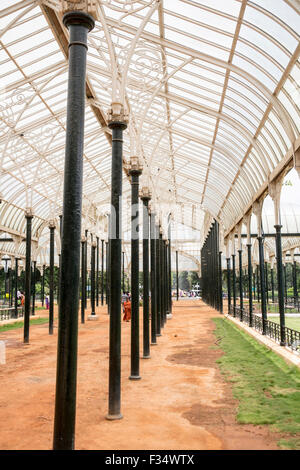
pixel 272 329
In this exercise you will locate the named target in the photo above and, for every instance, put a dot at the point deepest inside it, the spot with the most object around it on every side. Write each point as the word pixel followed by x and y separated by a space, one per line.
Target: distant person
pixel 47 302
pixel 127 310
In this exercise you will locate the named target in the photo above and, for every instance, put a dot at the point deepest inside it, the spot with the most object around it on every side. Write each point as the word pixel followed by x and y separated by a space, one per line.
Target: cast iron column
pixel 250 285
pixel 16 287
pixel 280 284
pixel 220 283
pixel 135 172
pixel 43 286
pixel 145 197
pixel 117 123
pixel 228 285
pixel 285 283
pixel 153 280
pixel 262 284
pixel 97 274
pixel 33 288
pixel 234 285
pixel 79 24
pixel 51 278
pixel 170 268
pixel 295 292
pixel 123 271
pixel 28 216
pixel 272 284
pixel 241 284
pixel 86 270
pixel 106 273
pixel 158 283
pixel 83 275
pixel 267 283
pixel 102 271
pixel 93 262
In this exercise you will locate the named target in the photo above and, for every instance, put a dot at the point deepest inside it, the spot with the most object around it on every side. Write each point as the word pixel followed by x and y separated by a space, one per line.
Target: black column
pixel 93 262
pixel 102 272
pixel 285 283
pixel 228 285
pixel 158 283
pixel 250 285
pixel 272 284
pixel 79 24
pixel 135 298
pixel 233 285
pixel 51 280
pixel 33 288
pixel 262 284
pixel 27 277
pixel 153 280
pixel 280 284
pixel 267 282
pixel 220 283
pixel 241 283
pixel 295 292
pixel 97 273
pixel 170 269
pixel 123 271
pixel 86 270
pixel 106 273
pixel 16 287
pixel 114 264
pixel 43 285
pixel 146 333
pixel 83 276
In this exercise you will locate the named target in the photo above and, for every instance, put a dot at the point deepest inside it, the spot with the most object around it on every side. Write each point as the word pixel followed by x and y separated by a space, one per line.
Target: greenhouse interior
pixel 150 225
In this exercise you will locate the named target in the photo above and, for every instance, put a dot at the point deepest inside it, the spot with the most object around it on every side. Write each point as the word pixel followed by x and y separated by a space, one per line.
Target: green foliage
pixel 267 388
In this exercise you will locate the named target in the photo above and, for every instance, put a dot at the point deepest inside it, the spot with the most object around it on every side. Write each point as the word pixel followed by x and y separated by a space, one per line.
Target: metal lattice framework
pixel 212 92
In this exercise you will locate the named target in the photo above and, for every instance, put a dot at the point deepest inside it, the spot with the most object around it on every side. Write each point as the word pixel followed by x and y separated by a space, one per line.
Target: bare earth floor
pixel 181 402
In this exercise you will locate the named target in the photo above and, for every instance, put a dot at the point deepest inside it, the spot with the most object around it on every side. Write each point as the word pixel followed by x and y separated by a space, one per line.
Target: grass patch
pixel 20 324
pixel 267 388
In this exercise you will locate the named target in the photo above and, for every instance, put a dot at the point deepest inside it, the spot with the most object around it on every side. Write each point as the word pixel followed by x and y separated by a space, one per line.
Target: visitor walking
pixel 127 310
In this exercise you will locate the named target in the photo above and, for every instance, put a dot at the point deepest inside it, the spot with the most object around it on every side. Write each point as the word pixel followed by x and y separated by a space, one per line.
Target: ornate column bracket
pixel 274 190
pixel 297 161
pixel 257 211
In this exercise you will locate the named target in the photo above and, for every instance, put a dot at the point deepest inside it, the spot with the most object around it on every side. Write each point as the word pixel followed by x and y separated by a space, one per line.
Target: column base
pixel 146 357
pixel 153 344
pixel 134 377
pixel 169 315
pixel 158 334
pixel 110 417
pixel 93 317
pixel 282 343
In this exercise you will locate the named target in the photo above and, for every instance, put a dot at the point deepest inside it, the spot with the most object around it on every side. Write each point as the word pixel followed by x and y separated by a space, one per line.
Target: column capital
pixel 117 116
pixel 29 212
pixel 134 167
pixel 52 224
pixel 74 15
pixel 145 194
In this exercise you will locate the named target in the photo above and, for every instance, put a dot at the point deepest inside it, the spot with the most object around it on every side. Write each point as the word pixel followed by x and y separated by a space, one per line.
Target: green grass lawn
pixel 293 323
pixel 267 388
pixel 20 324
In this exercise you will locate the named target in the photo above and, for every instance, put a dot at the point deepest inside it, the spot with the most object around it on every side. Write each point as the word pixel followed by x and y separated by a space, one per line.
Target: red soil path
pixel 182 401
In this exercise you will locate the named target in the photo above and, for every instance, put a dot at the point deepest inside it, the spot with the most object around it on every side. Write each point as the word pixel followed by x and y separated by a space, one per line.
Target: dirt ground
pixel 181 402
